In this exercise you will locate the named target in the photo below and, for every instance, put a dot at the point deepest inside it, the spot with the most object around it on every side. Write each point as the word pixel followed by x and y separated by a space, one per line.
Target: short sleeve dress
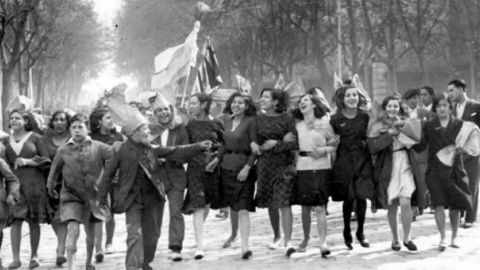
pixel 203 187
pixel 352 172
pixel 274 180
pixel 33 204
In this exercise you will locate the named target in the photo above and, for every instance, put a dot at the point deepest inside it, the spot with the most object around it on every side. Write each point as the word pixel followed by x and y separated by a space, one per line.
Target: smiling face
pixel 351 99
pixel 238 106
pixel 78 130
pixel 17 122
pixel 443 108
pixel 266 100
pixel 106 121
pixel 60 124
pixel 392 108
pixel 163 114
pixel 306 104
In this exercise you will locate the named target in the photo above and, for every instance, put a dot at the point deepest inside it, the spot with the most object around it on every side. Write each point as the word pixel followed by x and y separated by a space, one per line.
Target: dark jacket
pixel 173 170
pixel 126 159
pixel 382 170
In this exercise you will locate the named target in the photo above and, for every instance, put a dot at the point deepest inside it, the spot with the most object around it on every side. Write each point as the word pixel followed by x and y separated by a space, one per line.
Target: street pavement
pixel 378 256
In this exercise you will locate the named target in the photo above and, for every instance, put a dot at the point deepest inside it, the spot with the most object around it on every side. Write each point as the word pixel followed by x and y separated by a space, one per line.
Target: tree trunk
pixel 7 94
pixel 392 77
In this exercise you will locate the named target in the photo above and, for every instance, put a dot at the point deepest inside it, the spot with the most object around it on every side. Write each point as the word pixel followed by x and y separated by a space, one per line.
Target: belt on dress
pixel 400 149
pixel 304 153
pixel 238 153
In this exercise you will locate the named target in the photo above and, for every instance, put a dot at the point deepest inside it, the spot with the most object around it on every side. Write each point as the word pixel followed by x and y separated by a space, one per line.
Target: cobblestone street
pixel 378 256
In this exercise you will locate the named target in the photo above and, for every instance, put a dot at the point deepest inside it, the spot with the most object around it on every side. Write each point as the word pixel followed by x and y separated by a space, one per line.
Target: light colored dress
pixel 402 183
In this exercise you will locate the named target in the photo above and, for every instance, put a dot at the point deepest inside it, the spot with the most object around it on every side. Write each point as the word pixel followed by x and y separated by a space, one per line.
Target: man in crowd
pixel 467 110
pixel 426 94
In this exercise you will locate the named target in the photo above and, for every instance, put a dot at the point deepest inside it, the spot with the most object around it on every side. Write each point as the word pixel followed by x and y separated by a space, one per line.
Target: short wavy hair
pixel 30 123
pixel 251 109
pixel 319 111
pixel 54 115
pixel 204 98
pixel 95 118
pixel 339 97
pixel 279 96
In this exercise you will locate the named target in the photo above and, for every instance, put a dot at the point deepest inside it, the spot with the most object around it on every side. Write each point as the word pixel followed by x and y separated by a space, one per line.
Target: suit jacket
pixel 173 170
pixel 471 112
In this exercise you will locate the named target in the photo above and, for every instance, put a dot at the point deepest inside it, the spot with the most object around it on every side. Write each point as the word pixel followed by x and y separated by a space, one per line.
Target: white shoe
pixel 274 244
pixel 176 256
pixel 109 249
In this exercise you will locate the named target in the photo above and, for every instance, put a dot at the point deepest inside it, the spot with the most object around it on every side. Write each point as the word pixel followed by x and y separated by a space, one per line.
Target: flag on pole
pixel 211 66
pixel 244 84
pixel 280 82
pixel 174 63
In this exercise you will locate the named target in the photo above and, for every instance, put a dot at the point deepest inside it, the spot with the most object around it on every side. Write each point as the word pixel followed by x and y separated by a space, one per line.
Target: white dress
pixel 402 183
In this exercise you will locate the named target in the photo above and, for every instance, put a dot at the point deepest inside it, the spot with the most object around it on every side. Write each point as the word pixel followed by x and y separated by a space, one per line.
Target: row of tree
pixel 48 49
pixel 262 39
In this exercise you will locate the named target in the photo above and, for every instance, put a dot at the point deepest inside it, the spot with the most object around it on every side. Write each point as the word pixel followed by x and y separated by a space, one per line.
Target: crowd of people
pixel 413 151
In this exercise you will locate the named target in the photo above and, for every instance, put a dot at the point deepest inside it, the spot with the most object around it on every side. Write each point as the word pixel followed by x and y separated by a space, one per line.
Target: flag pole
pixel 186 86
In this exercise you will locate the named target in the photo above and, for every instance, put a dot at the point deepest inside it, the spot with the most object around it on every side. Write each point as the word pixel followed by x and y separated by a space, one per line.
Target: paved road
pixel 379 256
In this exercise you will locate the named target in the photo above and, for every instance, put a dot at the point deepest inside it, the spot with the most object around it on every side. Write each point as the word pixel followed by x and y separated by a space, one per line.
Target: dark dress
pixel 203 187
pixel 234 155
pixel 352 172
pixel 33 203
pixel 440 179
pixel 275 166
pixel 52 148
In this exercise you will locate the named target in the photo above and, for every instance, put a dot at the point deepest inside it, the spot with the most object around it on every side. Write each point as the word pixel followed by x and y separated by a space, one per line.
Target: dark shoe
pixel 354 217
pixel 363 240
pixel 61 260
pixel 467 225
pixel 90 267
pixel 222 215
pixel 348 240
pixel 442 246
pixel 99 256
pixel 176 256
pixel 289 250
pixel 199 254
pixel 410 246
pixel 303 246
pixel 325 252
pixel 396 246
pixel 247 255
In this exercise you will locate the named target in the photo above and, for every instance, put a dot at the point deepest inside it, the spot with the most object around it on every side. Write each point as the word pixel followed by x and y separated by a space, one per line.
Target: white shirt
pixel 164 137
pixel 312 139
pixel 412 113
pixel 461 109
pixel 429 107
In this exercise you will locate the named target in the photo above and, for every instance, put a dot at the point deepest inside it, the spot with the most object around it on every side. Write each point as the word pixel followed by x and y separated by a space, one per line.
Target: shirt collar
pixel 429 107
pixel 88 139
pixel 412 110
pixel 463 104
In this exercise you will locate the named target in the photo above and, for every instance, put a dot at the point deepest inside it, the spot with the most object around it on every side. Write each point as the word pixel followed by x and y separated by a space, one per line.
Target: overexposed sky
pixel 107 79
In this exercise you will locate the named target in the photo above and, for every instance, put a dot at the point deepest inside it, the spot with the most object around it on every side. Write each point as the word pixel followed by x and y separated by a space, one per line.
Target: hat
pixel 123 114
pixel 411 93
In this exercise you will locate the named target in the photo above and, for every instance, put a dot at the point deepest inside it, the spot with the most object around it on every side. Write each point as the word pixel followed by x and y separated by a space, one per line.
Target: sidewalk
pixel 378 256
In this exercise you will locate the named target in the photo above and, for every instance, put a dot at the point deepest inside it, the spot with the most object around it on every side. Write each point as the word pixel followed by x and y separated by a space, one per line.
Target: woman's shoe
pixel 410 246
pixel 60 260
pixel 289 250
pixel 275 244
pixel 15 265
pixel 229 242
pixel 246 255
pixel 396 246
pixel 303 246
pixel 33 263
pixel 325 252
pixel 99 256
pixel 363 240
pixel 348 240
pixel 442 246
pixel 199 254
pixel 454 244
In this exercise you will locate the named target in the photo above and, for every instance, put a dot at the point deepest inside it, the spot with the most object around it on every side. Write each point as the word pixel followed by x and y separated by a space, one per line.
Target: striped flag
pixel 211 67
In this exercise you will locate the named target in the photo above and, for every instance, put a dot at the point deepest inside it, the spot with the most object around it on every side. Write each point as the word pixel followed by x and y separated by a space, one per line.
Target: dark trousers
pixel 144 219
pixel 176 228
pixel 471 166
